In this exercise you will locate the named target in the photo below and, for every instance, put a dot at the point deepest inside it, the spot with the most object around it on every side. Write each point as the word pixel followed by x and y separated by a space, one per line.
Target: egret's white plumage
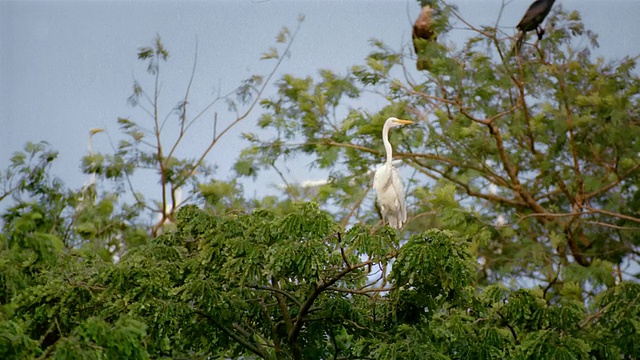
pixel 387 182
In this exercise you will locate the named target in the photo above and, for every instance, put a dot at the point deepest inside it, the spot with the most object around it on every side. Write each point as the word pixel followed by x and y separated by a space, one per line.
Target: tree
pixel 279 286
pixel 521 242
pixel 155 147
pixel 534 157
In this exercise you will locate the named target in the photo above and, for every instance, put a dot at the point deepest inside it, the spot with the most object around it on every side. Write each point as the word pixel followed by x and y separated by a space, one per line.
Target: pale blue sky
pixel 67 67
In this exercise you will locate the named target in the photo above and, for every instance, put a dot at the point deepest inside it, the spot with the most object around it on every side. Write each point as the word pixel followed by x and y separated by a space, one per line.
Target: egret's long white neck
pixel 387 144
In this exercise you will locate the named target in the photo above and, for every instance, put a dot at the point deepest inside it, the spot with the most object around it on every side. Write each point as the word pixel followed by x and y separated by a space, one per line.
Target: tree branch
pixel 322 287
pixel 254 348
pixel 614 214
pixel 276 290
pixel 255 102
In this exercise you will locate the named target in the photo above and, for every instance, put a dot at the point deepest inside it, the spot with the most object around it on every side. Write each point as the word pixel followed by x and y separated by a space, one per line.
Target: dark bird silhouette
pixel 422 32
pixel 533 18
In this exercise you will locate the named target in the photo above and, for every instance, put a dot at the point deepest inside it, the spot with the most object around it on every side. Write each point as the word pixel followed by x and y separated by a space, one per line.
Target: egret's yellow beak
pixel 403 122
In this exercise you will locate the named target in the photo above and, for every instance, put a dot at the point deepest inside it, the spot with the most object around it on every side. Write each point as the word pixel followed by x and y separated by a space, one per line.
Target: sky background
pixel 69 66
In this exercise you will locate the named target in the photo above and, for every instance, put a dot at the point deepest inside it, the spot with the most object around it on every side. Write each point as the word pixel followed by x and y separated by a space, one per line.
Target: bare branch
pixel 183 115
pixel 257 99
pixel 614 214
pixel 363 291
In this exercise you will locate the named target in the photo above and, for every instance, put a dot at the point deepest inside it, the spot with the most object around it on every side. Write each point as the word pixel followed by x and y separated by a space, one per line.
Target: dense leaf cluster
pixel 296 286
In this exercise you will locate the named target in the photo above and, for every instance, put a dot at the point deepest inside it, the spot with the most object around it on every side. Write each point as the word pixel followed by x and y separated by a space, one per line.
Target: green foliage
pixel 44 219
pixel 435 264
pixel 95 339
pixel 14 343
pixel 295 286
pixel 221 284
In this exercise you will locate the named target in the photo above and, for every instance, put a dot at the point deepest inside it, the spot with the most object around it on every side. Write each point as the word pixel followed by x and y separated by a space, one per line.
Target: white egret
pixel 387 182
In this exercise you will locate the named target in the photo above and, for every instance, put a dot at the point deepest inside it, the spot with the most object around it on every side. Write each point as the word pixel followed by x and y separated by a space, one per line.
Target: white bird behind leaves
pixel 387 182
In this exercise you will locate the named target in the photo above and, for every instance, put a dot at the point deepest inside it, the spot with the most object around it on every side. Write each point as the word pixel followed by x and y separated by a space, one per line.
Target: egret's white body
pixel 387 182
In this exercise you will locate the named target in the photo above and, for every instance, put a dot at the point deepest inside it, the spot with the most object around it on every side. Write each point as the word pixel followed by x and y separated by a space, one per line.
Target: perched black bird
pixel 423 32
pixel 533 18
